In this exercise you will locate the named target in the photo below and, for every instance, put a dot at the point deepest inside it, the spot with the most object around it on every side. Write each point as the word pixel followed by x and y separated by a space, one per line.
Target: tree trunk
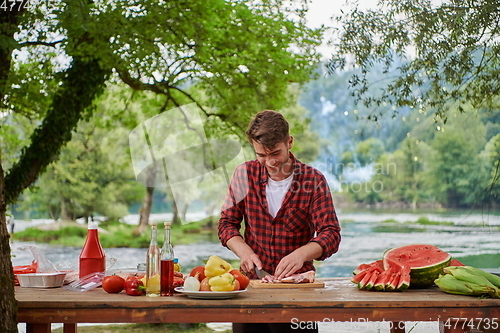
pixel 66 214
pixel 175 210
pixel 8 303
pixel 145 211
pixel 147 203
pixel 184 212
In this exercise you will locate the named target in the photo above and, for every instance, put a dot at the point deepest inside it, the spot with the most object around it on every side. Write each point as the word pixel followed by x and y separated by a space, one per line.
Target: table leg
pixel 69 328
pixel 38 328
pixel 396 327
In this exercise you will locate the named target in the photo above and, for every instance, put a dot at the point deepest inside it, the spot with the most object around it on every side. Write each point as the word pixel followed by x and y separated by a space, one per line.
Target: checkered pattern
pixel 307 214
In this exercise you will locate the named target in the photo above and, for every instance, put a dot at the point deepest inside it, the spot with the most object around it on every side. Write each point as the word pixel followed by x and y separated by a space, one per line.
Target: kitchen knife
pixel 260 273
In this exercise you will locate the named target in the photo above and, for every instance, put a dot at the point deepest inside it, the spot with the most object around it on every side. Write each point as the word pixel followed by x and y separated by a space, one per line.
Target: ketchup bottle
pixel 92 257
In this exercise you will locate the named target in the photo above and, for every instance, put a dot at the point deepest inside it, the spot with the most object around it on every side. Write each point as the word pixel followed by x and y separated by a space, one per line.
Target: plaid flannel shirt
pixel 306 215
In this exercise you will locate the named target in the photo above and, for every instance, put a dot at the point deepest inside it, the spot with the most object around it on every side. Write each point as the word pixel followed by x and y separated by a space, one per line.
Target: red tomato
pixel 242 278
pixel 113 284
pixel 200 270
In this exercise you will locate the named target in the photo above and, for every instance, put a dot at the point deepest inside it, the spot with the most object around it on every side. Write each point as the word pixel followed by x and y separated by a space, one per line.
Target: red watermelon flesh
pixel 392 282
pixel 371 281
pixel 382 279
pixel 358 277
pixel 367 280
pixel 362 267
pixel 456 262
pixel 404 279
pixel 364 281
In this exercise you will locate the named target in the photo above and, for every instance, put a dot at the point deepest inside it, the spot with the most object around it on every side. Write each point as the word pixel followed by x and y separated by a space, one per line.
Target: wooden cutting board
pixel 282 285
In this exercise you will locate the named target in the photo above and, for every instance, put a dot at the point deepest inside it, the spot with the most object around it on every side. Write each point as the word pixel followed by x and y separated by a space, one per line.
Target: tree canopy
pixel 437 56
pixel 56 58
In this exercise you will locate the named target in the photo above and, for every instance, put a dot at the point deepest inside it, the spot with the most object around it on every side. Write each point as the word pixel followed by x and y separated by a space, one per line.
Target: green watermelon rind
pixel 423 277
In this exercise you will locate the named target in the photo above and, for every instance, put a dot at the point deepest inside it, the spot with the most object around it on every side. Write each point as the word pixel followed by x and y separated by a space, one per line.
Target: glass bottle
pixel 167 264
pixel 153 265
pixel 92 258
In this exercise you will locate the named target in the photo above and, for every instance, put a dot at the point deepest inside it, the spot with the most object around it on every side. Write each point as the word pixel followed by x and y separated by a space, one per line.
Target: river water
pixel 471 238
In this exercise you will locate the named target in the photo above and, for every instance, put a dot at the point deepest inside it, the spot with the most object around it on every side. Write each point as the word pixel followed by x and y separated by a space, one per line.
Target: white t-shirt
pixel 275 192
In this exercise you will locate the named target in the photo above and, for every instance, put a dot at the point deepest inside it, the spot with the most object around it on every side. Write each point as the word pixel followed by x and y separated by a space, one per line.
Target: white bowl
pixel 41 280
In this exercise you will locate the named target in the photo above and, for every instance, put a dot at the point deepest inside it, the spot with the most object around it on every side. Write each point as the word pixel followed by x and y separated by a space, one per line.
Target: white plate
pixel 209 294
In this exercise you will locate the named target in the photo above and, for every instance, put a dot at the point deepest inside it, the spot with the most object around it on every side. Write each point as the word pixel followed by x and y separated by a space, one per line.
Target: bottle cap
pixel 176 260
pixel 167 224
pixel 93 225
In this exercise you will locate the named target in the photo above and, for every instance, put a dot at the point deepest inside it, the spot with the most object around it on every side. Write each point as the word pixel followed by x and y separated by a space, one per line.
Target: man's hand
pixel 248 258
pixel 295 260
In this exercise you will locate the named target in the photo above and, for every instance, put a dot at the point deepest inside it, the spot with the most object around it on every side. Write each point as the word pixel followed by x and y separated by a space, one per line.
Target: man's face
pixel 276 160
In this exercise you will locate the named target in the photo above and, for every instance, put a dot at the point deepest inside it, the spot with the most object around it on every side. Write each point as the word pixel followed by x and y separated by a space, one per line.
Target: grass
pixel 422 221
pixel 114 234
pixel 144 328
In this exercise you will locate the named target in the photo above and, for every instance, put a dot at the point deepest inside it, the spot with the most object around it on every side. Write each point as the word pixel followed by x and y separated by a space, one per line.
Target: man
pixel 287 207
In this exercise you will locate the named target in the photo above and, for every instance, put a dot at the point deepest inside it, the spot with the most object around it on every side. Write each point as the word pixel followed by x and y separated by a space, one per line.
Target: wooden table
pixel 339 302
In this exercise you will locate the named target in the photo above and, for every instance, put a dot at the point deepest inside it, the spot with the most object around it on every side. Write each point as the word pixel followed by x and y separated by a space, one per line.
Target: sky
pixel 322 12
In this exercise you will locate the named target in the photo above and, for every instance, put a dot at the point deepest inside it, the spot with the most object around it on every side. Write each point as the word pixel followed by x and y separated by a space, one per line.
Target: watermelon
pixel 392 282
pixel 403 272
pixel 363 267
pixel 456 262
pixel 405 280
pixel 425 262
pixel 382 280
pixel 359 276
pixel 371 281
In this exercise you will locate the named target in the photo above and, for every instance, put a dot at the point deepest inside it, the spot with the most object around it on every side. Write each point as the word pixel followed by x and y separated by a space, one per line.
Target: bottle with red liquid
pixel 167 264
pixel 92 257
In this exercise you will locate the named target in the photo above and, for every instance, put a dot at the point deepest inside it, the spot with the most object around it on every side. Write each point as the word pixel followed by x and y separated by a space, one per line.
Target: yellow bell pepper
pixel 224 282
pixel 216 266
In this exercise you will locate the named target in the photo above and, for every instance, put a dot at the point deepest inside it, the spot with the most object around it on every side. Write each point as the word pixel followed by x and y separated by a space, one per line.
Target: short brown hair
pixel 268 128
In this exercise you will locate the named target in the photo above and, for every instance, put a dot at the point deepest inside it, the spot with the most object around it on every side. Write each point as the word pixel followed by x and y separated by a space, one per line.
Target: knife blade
pixel 260 272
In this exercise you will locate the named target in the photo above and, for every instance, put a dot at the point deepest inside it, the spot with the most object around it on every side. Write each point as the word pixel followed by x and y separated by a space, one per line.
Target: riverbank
pixel 461 218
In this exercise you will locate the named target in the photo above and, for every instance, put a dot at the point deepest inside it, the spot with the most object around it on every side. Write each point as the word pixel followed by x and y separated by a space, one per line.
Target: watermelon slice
pixel 392 282
pixel 405 279
pixel 371 281
pixel 364 281
pixel 425 262
pixel 377 263
pixel 358 277
pixel 361 268
pixel 382 279
pixel 456 262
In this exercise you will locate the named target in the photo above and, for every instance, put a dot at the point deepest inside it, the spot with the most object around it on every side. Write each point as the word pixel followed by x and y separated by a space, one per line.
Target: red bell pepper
pixel 134 286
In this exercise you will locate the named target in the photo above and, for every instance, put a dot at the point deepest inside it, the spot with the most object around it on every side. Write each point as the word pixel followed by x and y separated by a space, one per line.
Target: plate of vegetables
pixel 215 280
pixel 209 294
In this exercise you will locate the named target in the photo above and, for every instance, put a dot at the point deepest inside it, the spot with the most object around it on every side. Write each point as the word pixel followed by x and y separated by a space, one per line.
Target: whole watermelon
pixel 425 261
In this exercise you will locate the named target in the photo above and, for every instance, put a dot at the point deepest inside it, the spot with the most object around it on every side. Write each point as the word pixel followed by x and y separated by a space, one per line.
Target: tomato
pixel 200 270
pixel 242 278
pixel 204 286
pixel 113 284
pixel 236 285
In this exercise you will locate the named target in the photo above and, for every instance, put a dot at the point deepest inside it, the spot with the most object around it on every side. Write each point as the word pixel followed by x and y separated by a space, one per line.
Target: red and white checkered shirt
pixel 306 215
